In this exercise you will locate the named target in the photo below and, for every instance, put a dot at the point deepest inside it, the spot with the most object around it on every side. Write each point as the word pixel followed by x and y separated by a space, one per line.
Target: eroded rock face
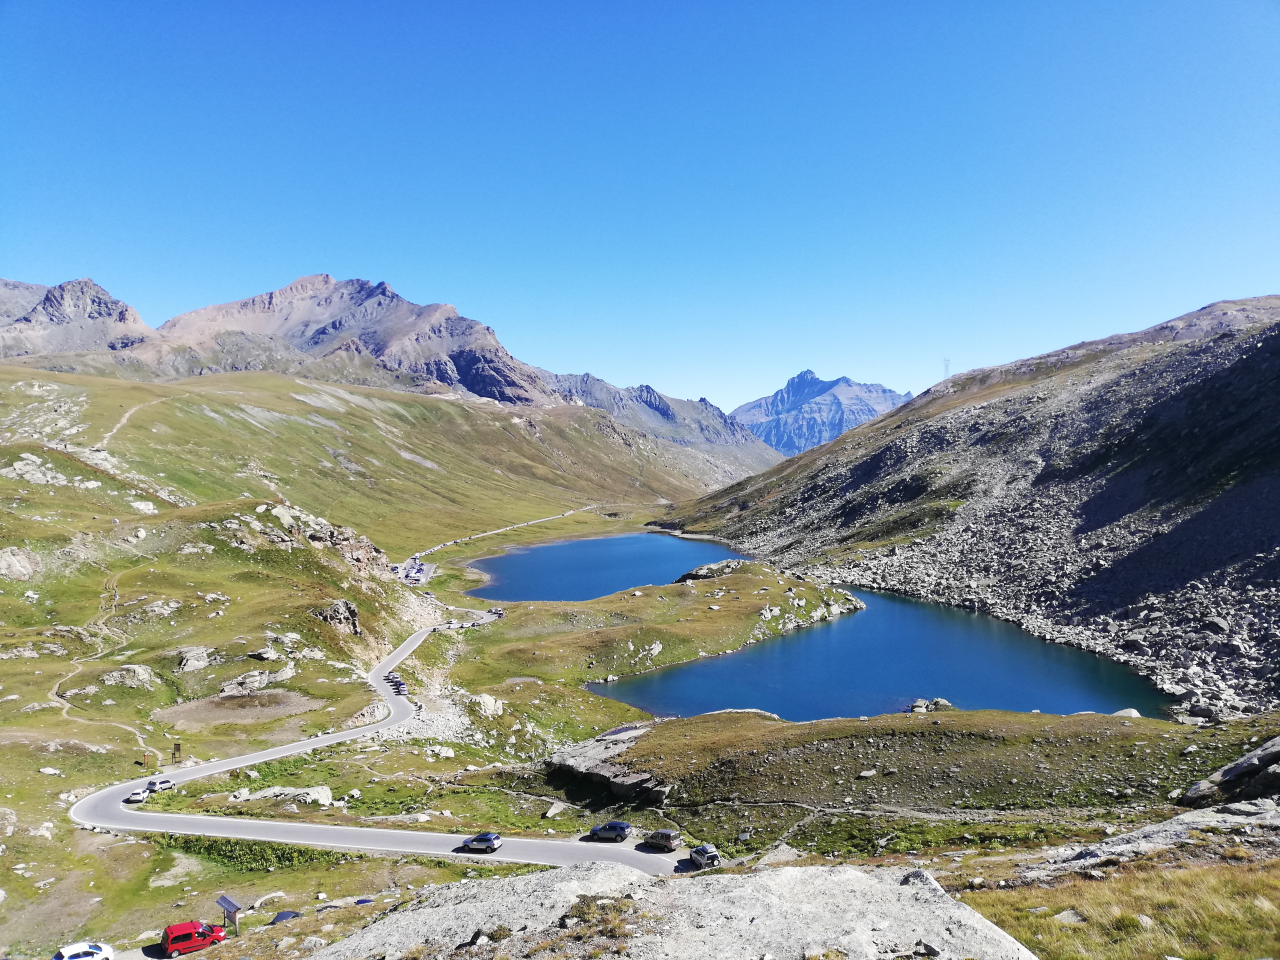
pixel 342 615
pixel 18 563
pixel 784 912
pixel 592 760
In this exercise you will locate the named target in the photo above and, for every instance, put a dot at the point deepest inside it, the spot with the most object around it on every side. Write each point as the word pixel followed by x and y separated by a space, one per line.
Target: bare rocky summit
pixel 809 412
pixel 319 316
pixel 73 316
pixel 1119 495
pixel 587 910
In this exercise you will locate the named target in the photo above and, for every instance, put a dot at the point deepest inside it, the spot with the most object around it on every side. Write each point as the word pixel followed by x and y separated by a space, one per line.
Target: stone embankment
pixel 594 908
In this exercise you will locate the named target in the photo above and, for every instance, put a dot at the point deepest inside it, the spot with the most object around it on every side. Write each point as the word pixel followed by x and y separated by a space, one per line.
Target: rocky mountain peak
pixel 74 316
pixel 809 411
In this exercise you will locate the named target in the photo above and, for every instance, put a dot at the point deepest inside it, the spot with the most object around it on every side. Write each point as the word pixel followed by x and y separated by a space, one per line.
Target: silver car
pixel 705 856
pixel 485 842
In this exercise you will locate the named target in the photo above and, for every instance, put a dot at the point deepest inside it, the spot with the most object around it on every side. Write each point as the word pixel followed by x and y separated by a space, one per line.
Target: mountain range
pixel 808 412
pixel 344 331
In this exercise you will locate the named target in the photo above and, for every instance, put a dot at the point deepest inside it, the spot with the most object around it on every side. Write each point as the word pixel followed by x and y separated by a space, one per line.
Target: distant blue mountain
pixel 808 412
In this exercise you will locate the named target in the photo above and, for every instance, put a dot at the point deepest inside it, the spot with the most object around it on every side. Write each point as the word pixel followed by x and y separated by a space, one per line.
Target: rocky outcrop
pixel 252 682
pixel 591 760
pixel 194 658
pixel 709 571
pixel 340 614
pixel 1118 496
pixel 321 795
pixel 131 675
pixel 784 912
pixel 1154 838
pixel 1256 774
pixel 808 412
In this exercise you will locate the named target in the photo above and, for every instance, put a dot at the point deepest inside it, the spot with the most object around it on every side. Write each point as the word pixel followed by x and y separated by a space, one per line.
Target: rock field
pixel 787 912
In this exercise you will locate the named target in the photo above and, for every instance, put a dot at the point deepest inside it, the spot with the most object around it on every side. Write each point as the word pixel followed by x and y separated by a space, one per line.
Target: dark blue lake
pixel 881 659
pixel 862 664
pixel 587 569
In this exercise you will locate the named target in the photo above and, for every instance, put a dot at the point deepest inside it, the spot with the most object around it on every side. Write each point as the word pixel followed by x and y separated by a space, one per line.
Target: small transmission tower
pixel 946 367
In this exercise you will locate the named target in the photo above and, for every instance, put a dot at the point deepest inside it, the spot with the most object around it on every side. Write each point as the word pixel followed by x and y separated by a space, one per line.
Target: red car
pixel 188 937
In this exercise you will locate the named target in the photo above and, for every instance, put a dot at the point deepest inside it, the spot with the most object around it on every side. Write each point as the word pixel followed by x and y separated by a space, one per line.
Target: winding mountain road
pixel 106 809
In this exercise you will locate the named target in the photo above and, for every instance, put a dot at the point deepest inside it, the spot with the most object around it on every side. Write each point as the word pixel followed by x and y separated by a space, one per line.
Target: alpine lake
pixel 877 661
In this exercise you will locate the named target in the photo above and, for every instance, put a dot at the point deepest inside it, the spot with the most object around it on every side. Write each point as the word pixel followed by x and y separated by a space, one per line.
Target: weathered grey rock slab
pixel 786 912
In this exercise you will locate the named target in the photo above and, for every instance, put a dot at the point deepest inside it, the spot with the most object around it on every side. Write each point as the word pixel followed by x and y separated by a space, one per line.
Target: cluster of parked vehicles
pixel 412 571
pixel 397 685
pixel 702 856
pixel 153 786
pixel 175 940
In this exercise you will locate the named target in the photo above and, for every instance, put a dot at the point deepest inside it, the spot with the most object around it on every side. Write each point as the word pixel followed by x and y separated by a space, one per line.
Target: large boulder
pixel 193 658
pixel 131 675
pixel 1256 774
pixel 18 563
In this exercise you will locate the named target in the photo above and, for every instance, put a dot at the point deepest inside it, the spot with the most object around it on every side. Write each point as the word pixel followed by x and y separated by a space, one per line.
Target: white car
pixel 138 796
pixel 163 783
pixel 86 951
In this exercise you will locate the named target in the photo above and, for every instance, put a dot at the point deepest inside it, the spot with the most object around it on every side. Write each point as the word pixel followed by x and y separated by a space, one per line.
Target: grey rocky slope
pixel 690 423
pixel 808 412
pixel 587 910
pixel 73 316
pixel 1121 495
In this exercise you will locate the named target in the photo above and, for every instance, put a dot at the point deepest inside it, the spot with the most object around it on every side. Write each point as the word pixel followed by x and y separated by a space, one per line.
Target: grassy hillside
pixel 408 470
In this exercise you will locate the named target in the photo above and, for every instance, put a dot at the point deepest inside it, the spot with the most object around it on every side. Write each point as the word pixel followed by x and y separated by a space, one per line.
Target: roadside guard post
pixel 230 912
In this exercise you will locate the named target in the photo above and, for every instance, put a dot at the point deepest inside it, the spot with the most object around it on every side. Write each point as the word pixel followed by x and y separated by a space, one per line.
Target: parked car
pixel 488 842
pixel 138 795
pixel 668 840
pixel 86 951
pixel 163 783
pixel 705 856
pixel 283 916
pixel 616 830
pixel 189 937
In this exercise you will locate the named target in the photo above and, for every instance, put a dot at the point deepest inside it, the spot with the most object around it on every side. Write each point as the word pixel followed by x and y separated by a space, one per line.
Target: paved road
pixel 106 809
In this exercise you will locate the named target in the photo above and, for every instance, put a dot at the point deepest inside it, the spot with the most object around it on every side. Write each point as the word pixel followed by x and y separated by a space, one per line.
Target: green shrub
pixel 250 854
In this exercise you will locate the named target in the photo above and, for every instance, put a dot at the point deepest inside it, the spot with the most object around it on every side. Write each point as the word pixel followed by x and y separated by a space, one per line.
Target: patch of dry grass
pixel 1146 913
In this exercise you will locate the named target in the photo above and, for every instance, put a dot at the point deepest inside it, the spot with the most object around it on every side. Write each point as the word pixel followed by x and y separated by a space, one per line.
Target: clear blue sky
pixel 707 197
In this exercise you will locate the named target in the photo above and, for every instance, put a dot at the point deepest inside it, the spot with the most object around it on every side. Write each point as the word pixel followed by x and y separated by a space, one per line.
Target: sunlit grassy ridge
pixel 407 470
